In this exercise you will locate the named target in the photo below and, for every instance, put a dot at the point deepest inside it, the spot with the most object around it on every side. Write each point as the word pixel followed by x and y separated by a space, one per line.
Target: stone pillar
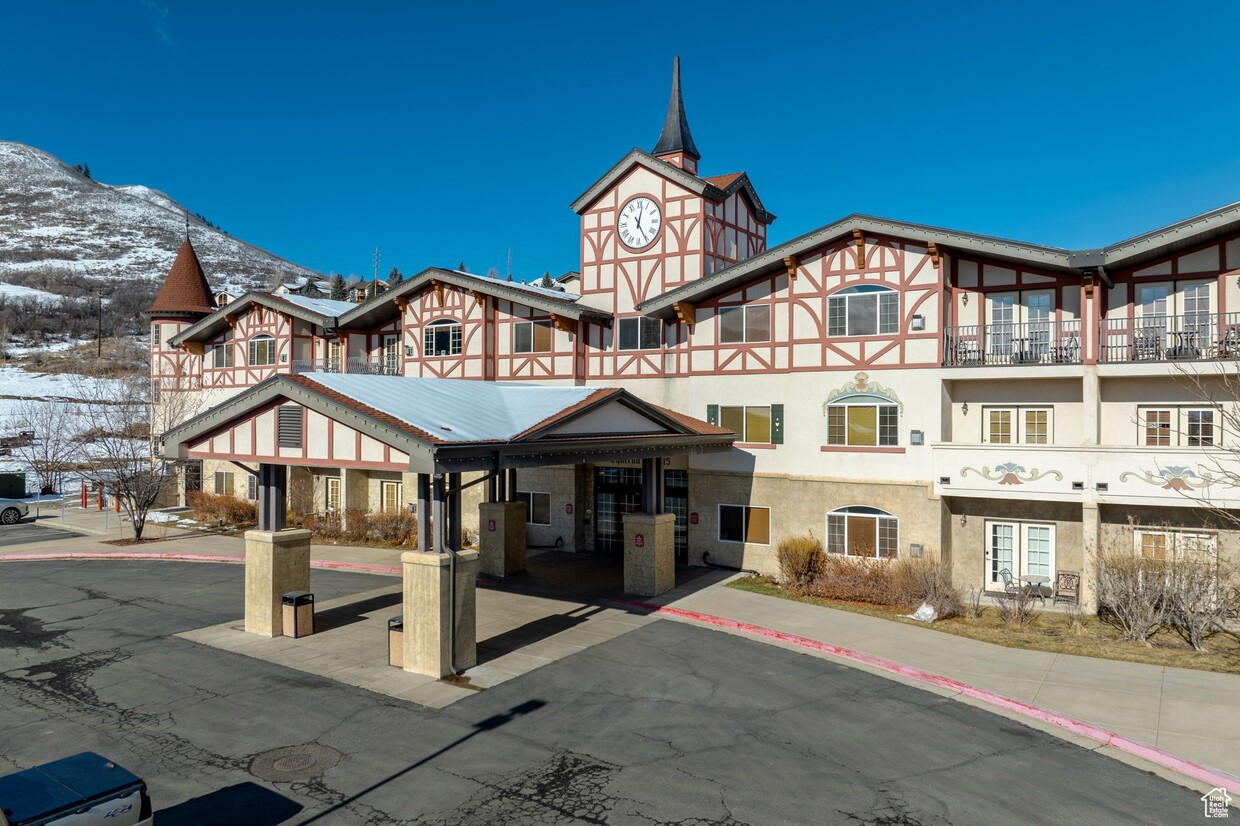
pixel 649 553
pixel 428 612
pixel 1091 531
pixel 276 562
pixel 501 537
pixel 466 610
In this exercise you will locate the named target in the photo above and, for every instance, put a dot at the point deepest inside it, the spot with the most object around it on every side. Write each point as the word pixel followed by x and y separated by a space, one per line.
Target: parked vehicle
pixel 83 790
pixel 13 511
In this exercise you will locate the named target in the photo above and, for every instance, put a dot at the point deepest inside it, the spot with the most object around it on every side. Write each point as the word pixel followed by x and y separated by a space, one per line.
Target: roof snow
pixel 323 306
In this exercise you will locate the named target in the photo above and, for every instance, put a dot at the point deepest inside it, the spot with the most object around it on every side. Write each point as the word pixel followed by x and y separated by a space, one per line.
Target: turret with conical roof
pixel 676 144
pixel 185 291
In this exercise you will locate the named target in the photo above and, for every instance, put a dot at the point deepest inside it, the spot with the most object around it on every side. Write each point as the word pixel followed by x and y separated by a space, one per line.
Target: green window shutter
pixel 777 424
pixel 712 414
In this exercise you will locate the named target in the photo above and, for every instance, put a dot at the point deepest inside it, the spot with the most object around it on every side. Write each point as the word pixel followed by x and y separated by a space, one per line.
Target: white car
pixel 13 511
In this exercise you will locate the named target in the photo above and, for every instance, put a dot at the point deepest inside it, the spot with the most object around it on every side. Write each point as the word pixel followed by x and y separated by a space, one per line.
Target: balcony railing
pixel 385 366
pixel 1170 338
pixel 1033 342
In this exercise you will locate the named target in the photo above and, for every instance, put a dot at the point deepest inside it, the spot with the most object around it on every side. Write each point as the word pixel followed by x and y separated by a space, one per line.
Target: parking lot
pixel 666 724
pixel 28 530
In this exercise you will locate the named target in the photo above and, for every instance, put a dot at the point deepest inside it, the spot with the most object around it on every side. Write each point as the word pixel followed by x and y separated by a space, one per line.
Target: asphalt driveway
pixel 668 724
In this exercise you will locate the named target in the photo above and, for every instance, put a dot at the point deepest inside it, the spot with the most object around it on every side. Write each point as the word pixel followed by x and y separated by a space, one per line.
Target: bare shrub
pixel 801 562
pixel 212 507
pixel 1076 618
pixel 325 527
pixel 973 603
pixel 1016 609
pixel 917 581
pixel 356 527
pixel 856 579
pixel 1132 592
pixel 1196 596
pixel 393 528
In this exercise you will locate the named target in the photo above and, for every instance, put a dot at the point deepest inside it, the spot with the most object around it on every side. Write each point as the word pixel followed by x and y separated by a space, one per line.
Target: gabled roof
pixel 729 279
pixel 699 186
pixel 1169 239
pixel 379 309
pixel 675 136
pixel 473 425
pixel 294 305
pixel 185 290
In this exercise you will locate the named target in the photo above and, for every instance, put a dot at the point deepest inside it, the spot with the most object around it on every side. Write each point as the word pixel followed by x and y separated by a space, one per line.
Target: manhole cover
pixel 294 762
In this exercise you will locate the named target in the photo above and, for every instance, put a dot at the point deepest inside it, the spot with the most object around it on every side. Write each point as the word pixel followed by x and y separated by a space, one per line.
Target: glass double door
pixel 1023 548
pixel 618 490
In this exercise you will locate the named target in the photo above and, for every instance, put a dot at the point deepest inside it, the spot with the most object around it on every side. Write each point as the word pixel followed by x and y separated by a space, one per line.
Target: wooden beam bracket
pixel 936 258
pixel 859 240
pixel 790 262
pixel 562 323
pixel 686 313
pixel 438 285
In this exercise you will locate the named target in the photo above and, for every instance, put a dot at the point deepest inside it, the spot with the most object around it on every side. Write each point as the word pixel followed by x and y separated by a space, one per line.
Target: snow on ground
pixel 47 347
pixel 19 388
pixel 15 291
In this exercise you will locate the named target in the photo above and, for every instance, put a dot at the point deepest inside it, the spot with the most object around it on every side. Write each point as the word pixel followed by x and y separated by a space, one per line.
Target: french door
pixel 1023 548
pixel 1019 324
pixel 391 355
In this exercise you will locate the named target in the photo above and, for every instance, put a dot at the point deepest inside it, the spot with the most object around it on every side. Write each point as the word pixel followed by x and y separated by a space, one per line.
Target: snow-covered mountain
pixel 55 220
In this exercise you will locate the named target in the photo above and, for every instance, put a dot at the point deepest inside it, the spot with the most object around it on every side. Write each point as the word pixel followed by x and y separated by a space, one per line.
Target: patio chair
pixel 1010 585
pixel 1233 604
pixel 1067 587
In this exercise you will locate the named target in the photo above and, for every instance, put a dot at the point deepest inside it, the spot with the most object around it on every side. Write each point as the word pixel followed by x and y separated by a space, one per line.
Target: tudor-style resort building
pixel 892 388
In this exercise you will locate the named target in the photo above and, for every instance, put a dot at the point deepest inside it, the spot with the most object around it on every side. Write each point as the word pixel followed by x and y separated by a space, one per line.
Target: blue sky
pixel 448 132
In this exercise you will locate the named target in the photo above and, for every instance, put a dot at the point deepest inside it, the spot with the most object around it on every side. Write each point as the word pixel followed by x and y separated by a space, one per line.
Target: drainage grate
pixel 294 762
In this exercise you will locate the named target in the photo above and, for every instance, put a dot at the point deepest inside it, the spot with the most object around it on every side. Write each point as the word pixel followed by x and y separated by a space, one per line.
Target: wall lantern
pixel 919 323
pixel 964 408
pixel 964 519
pixel 964 299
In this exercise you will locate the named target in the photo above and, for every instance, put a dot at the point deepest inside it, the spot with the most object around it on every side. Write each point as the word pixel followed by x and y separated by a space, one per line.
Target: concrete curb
pixel 1106 737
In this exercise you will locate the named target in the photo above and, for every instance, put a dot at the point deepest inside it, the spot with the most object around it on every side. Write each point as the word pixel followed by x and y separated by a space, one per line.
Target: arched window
pixel 863 310
pixel 442 338
pixel 860 530
pixel 862 420
pixel 262 351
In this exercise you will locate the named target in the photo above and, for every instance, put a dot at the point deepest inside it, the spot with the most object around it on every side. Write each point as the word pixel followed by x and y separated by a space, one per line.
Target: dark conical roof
pixel 675 136
pixel 185 291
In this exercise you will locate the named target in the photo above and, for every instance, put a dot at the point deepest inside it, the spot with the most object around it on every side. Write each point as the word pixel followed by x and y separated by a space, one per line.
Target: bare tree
pixel 53 448
pixel 121 438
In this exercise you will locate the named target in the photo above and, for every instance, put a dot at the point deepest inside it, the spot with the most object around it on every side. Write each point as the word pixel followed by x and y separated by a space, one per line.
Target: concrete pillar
pixel 501 537
pixel 428 612
pixel 649 553
pixel 424 512
pixel 1091 531
pixel 1091 405
pixel 276 562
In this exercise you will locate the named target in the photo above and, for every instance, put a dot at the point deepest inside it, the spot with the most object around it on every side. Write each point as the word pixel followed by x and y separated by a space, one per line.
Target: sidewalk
pixel 1193 714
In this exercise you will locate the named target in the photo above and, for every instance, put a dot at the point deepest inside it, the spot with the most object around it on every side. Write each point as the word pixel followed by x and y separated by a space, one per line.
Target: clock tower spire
pixel 676 144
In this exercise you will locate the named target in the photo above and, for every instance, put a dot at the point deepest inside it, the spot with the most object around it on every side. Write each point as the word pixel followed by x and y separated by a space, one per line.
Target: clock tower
pixel 651 223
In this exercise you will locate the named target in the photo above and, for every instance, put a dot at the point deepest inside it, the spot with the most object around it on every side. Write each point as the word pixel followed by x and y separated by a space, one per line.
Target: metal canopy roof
pixel 462 424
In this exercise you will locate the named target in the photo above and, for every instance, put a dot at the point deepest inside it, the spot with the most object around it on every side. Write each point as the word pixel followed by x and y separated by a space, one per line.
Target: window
pixel 333 356
pixel 1165 545
pixel 863 425
pixel 863 531
pixel 442 338
pixel 224 483
pixel 390 365
pixel 332 501
pixel 251 486
pixel 740 523
pixel 537 507
pixel 262 351
pixel 222 354
pixel 1021 549
pixel 1178 426
pixel 1019 324
pixel 641 333
pixel 865 310
pixel 739 325
pixel 531 337
pixel 1017 425
pixel 390 496
pixel 157 343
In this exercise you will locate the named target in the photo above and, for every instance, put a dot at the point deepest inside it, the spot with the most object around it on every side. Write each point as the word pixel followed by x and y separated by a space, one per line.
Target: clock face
pixel 639 222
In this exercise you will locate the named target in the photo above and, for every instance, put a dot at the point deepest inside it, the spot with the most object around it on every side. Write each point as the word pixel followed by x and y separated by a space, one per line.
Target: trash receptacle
pixel 298 616
pixel 396 641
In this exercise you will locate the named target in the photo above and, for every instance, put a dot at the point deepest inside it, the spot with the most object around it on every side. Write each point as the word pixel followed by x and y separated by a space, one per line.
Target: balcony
pixel 1170 338
pixel 1034 342
pixel 359 365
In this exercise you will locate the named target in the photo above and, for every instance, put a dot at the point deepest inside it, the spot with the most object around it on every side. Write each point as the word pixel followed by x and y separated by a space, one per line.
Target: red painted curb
pixel 1210 776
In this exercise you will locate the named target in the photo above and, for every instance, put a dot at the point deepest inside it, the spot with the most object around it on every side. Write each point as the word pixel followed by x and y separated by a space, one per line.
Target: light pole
pixel 99 327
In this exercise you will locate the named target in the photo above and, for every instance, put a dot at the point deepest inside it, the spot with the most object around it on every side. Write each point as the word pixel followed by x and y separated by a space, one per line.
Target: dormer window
pixel 864 310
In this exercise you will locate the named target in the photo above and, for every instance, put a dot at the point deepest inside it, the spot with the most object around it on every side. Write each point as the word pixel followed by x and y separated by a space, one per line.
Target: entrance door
pixel 617 491
pixel 676 500
pixel 1024 548
pixel 391 355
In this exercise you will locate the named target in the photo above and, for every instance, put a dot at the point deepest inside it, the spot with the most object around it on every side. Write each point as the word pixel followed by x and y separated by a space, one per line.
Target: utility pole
pixel 99 328
pixel 509 273
pixel 376 264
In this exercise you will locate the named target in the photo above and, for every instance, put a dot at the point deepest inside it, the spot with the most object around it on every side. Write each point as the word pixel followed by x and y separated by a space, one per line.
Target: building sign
pixel 568 508
pixel 639 540
pixel 490 524
pixel 693 518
